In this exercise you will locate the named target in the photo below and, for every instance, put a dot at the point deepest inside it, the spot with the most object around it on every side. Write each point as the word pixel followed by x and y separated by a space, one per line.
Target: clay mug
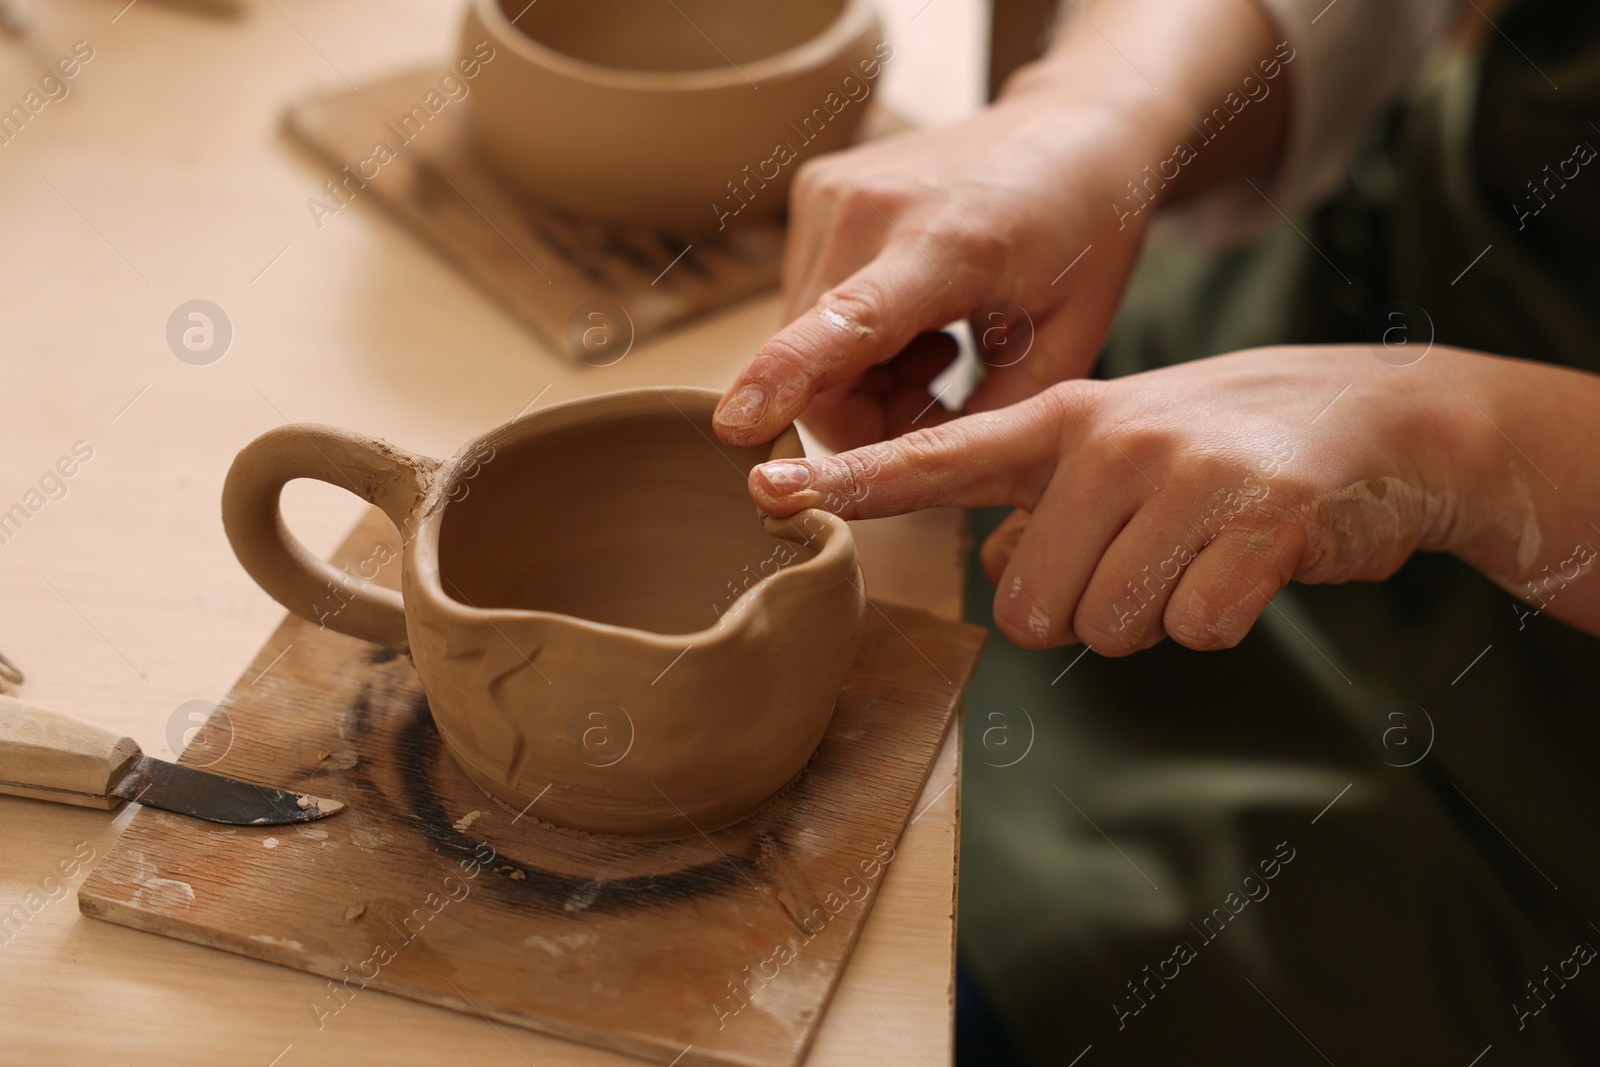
pixel 604 625
pixel 686 114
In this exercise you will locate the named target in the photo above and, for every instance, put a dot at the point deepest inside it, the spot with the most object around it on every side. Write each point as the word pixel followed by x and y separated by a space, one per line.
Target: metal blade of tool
pixel 217 798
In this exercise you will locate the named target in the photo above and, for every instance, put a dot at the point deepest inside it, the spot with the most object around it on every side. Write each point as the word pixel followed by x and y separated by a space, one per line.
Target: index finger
pixel 994 457
pixel 864 320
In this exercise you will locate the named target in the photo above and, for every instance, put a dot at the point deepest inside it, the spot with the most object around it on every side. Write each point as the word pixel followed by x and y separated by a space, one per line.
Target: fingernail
pixel 744 408
pixel 785 479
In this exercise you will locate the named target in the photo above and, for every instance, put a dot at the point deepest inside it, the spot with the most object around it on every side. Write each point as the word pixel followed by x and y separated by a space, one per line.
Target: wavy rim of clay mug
pixel 411 488
pixel 833 552
pixel 816 52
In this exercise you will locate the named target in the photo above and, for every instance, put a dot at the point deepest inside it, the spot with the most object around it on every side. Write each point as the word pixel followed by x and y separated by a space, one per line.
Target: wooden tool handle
pixel 50 756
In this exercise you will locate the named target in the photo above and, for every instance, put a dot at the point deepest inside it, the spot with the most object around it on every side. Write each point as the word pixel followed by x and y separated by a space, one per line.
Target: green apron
pixel 1367 834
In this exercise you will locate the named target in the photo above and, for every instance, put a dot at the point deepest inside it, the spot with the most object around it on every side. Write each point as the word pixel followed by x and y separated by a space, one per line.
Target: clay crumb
pixel 323 754
pixel 271 842
pixel 464 823
pixel 352 912
pixel 306 801
pixel 516 874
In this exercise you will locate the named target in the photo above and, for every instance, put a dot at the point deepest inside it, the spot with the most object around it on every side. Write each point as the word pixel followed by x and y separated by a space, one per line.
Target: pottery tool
pixel 548 269
pixel 49 756
pixel 722 948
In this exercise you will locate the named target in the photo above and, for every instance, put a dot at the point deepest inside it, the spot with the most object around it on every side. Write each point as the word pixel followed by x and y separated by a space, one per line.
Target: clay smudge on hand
pixel 1519 519
pixel 833 318
pixel 1221 625
pixel 1038 622
pixel 1368 529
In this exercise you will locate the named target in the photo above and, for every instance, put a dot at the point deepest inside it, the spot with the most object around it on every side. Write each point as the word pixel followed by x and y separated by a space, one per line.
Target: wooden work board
pixel 715 949
pixel 548 268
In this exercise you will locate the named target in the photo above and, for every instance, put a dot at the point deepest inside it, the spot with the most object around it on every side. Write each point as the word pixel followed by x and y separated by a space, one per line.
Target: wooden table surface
pixel 162 177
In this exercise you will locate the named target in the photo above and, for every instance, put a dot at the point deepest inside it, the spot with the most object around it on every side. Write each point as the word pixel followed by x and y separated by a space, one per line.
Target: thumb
pixel 997 457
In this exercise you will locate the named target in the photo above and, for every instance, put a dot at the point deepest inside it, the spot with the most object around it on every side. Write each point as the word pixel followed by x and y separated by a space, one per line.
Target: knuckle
pixel 803 189
pixel 928 447
pixel 860 301
pixel 961 234
pixel 969 244
pixel 1101 453
pixel 858 467
pixel 816 179
pixel 1145 445
pixel 851 475
pixel 1104 453
pixel 861 200
pixel 1070 400
pixel 875 188
pixel 1260 544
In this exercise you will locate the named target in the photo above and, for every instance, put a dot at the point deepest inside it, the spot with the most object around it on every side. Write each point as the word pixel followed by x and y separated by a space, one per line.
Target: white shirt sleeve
pixel 1351 58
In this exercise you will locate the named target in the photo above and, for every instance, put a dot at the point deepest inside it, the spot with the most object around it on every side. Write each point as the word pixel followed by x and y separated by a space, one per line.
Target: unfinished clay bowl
pixel 683 114
pixel 611 638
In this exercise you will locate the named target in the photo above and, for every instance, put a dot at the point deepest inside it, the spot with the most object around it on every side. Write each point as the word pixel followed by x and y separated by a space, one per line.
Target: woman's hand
pixel 895 238
pixel 1026 219
pixel 1178 502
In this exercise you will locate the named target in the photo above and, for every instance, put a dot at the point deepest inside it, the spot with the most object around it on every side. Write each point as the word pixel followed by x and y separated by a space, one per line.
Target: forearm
pixel 1199 87
pixel 1528 435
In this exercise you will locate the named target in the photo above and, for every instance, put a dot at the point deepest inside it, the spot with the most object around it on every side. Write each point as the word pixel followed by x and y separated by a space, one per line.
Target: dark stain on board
pixel 418 760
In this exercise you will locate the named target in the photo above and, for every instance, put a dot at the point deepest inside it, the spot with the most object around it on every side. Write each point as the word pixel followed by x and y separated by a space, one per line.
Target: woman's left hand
pixel 1178 502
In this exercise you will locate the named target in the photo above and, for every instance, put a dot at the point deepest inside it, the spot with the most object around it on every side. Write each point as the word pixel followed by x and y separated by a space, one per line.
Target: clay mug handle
pixel 391 478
